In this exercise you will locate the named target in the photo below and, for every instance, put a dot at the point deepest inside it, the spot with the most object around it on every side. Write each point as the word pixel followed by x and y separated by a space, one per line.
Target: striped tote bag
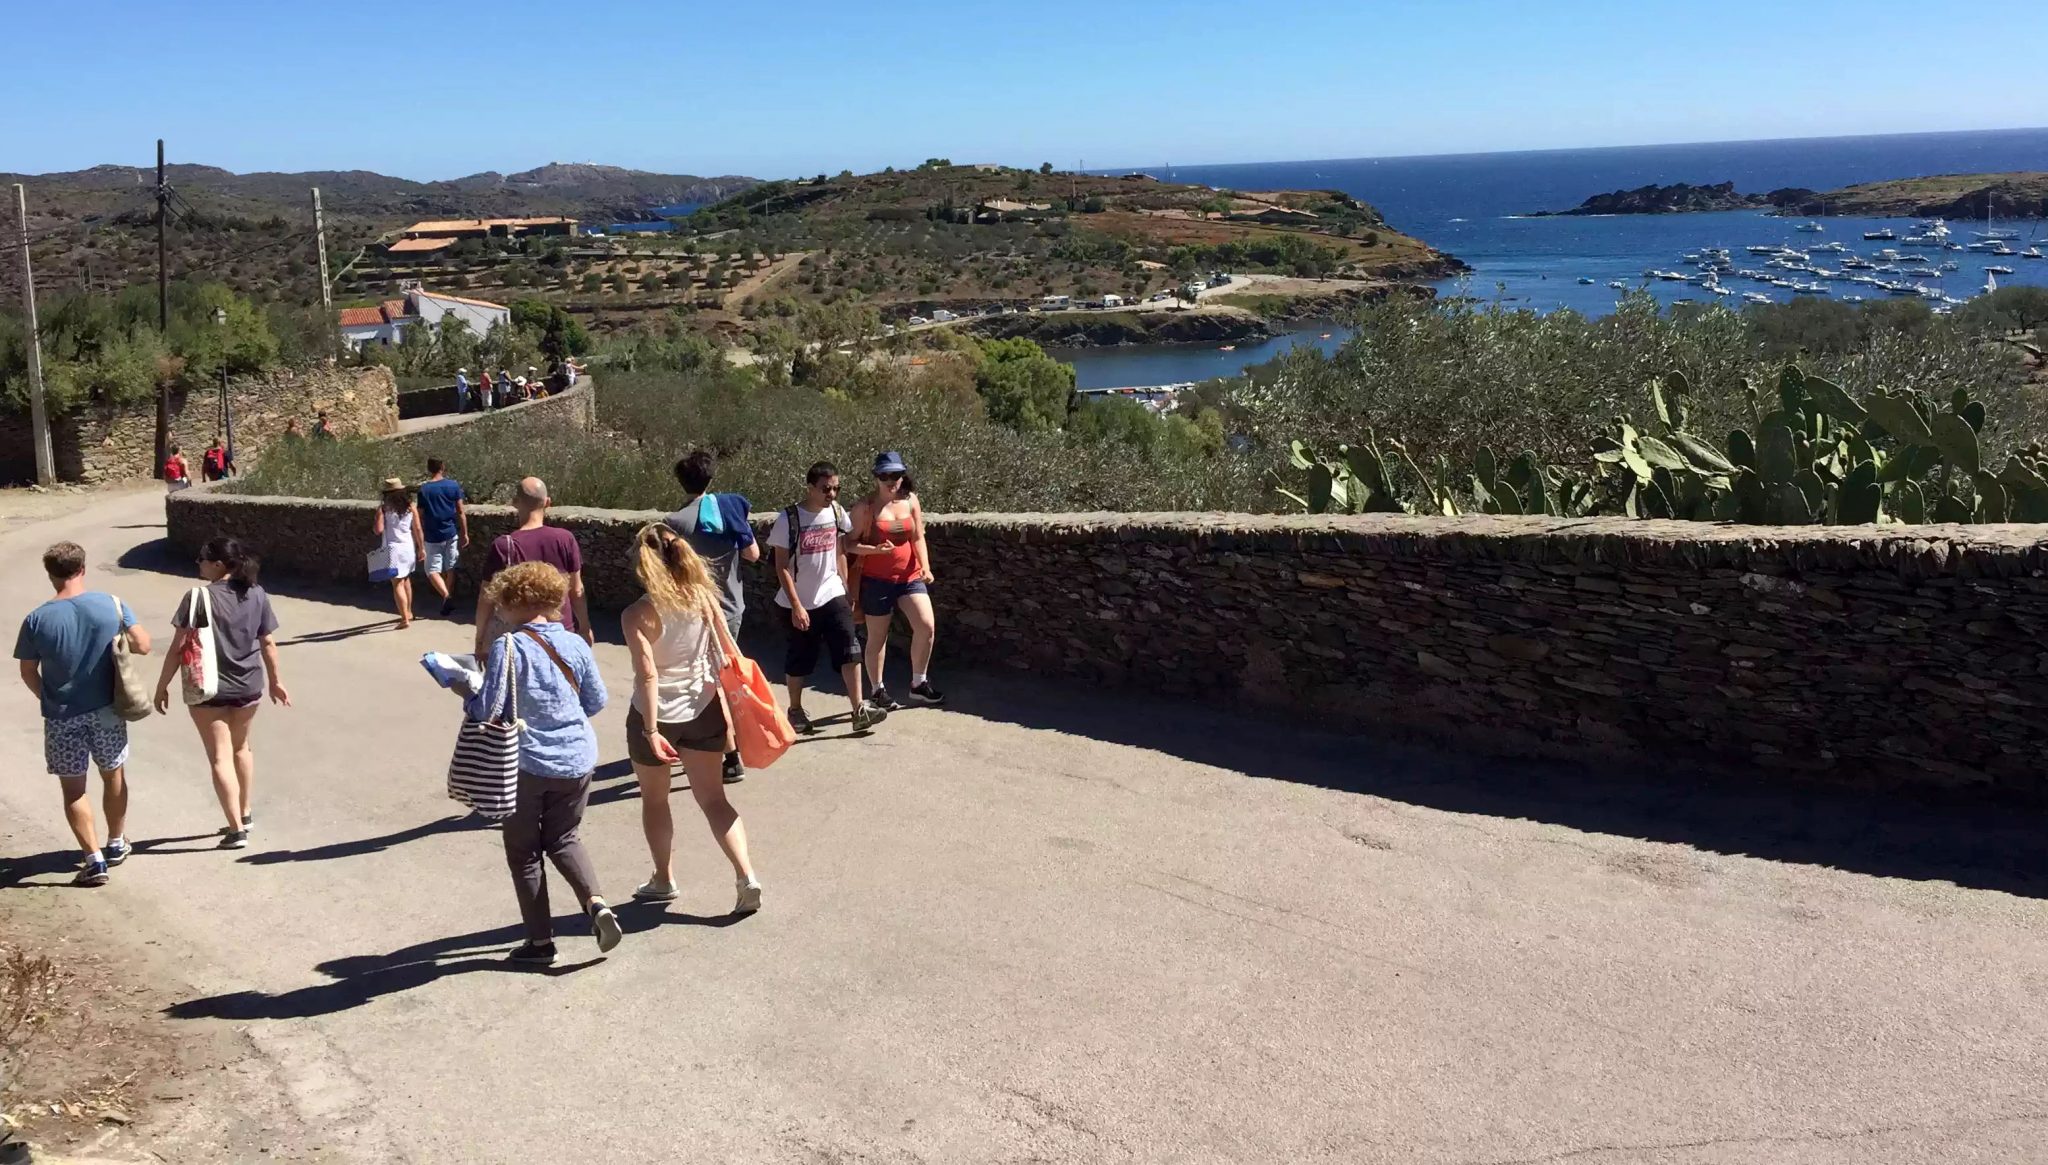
pixel 484 773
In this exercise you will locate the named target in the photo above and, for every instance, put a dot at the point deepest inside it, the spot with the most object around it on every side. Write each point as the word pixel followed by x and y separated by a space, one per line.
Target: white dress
pixel 398 542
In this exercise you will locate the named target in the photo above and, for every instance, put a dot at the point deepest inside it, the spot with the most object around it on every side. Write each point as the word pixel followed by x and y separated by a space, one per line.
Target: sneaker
pixel 605 925
pixel 867 716
pixel 801 721
pixel 735 772
pixel 448 608
pixel 750 897
pixel 883 700
pixel 540 954
pixel 116 851
pixel 234 839
pixel 653 891
pixel 92 873
pixel 927 693
pixel 248 822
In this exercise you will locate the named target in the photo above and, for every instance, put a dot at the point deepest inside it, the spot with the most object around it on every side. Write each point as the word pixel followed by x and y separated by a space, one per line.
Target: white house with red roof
pixel 386 323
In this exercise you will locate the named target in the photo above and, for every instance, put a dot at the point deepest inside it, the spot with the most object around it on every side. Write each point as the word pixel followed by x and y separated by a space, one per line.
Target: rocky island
pixel 1683 198
pixel 1962 196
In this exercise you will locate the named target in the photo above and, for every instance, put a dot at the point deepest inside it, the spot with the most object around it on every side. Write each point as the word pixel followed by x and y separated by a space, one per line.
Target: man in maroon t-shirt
pixel 533 541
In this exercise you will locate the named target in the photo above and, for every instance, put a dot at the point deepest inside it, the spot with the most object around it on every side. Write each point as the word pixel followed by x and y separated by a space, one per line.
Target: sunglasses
pixel 888 477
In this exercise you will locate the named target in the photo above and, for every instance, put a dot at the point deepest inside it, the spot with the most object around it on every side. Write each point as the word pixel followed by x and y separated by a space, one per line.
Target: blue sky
pixel 788 87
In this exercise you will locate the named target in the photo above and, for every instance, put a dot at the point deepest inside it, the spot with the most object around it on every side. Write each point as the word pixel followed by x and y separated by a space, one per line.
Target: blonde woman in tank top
pixel 678 714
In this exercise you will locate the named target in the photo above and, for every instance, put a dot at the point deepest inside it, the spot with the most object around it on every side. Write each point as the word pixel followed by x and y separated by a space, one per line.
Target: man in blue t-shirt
pixel 719 527
pixel 66 649
pixel 444 527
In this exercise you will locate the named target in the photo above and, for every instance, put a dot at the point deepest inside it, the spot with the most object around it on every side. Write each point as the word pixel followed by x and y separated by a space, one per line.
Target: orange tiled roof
pixel 362 317
pixel 404 245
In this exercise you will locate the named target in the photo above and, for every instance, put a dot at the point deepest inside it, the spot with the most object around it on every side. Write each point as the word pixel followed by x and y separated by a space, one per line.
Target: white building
pixel 385 324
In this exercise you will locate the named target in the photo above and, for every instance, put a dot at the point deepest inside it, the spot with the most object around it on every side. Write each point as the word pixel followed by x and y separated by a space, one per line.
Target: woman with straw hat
pixel 398 529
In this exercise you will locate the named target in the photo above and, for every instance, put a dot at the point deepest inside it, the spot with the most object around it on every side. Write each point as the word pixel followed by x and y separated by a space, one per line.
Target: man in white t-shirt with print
pixel 810 561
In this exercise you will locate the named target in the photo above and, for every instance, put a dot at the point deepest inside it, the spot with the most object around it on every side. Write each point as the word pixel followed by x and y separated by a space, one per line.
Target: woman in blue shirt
pixel 558 690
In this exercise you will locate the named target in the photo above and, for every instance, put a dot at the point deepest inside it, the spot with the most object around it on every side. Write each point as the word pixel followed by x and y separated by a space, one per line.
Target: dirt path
pixel 761 280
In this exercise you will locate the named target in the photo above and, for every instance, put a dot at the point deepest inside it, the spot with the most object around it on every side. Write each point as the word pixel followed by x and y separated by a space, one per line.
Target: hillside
pixel 1679 198
pixel 1958 196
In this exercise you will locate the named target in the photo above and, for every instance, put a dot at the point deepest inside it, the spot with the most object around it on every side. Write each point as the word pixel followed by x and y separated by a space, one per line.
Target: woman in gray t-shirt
pixel 245 654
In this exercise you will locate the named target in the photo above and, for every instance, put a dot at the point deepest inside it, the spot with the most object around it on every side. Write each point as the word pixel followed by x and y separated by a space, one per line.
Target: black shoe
pixel 927 693
pixel 735 772
pixel 801 722
pixel 448 608
pixel 116 852
pixel 234 839
pixel 881 698
pixel 539 954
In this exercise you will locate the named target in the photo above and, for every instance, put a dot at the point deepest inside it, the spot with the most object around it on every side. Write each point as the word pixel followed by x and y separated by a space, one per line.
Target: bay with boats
pixel 1474 206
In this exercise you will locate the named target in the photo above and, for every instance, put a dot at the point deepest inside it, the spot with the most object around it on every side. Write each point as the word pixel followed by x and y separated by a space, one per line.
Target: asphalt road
pixel 1056 925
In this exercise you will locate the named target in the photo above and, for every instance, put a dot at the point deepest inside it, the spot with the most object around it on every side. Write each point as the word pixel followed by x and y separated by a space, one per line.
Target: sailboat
pixel 1990 283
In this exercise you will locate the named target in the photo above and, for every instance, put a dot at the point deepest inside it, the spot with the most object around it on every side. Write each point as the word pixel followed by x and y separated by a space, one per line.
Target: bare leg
pixel 114 799
pixel 878 644
pixel 656 820
pixel 78 812
pixel 849 674
pixel 917 609
pixel 439 582
pixel 401 593
pixel 796 693
pixel 240 720
pixel 708 787
pixel 218 738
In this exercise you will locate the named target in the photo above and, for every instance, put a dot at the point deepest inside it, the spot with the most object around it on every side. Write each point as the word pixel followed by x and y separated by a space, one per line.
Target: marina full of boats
pixel 1829 268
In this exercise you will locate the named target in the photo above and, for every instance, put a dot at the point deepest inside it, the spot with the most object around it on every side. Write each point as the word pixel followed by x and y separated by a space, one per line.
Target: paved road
pixel 1054 927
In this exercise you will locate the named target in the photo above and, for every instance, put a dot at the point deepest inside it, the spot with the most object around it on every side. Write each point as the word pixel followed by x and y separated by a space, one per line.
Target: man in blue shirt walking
pixel 444 528
pixel 720 529
pixel 66 650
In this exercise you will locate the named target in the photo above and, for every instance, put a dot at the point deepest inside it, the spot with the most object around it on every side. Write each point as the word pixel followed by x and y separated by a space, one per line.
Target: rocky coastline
pixel 1109 329
pixel 1684 198
pixel 1951 196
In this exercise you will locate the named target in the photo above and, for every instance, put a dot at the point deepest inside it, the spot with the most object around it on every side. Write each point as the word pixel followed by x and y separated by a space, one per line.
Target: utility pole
pixel 38 417
pixel 163 311
pixel 326 291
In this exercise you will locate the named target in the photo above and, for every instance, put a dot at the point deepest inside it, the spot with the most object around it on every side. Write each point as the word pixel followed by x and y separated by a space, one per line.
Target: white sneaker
pixel 653 891
pixel 750 897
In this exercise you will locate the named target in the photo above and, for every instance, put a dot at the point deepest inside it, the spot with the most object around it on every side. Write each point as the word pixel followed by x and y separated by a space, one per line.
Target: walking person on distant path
pixel 66 652
pixel 678 714
pixel 720 528
pixel 321 430
pixel 810 541
pixel 177 475
pixel 216 463
pixel 534 541
pixel 557 690
pixel 462 390
pixel 398 525
pixel 895 572
pixel 245 652
pixel 444 530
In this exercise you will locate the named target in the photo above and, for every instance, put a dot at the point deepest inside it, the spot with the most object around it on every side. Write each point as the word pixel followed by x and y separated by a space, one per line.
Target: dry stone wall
pixel 1867 655
pixel 113 444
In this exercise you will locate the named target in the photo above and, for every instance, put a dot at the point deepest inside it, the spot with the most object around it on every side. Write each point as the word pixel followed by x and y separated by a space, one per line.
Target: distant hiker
pixel 216 463
pixel 719 527
pixel 678 714
pixel 291 430
pixel 895 572
pixel 67 662
pixel 320 430
pixel 401 544
pixel 534 541
pixel 444 529
pixel 235 614
pixel 462 403
pixel 810 541
pixel 177 475
pixel 556 690
pixel 503 391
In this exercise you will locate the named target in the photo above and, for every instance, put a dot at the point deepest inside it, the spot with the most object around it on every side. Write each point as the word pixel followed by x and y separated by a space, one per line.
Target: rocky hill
pixel 1961 196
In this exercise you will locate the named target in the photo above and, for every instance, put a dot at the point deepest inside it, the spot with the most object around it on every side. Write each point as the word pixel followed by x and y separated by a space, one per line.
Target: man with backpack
pixel 720 528
pixel 217 462
pixel 66 651
pixel 810 562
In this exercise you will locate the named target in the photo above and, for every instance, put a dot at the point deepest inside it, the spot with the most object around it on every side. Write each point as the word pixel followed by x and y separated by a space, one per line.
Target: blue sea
pixel 1471 205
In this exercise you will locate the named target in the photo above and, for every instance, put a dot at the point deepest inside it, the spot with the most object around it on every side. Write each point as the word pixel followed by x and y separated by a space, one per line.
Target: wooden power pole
pixel 326 290
pixel 38 416
pixel 163 312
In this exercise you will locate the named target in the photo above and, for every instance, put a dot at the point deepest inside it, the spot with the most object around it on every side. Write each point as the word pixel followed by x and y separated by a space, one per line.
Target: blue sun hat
pixel 890 462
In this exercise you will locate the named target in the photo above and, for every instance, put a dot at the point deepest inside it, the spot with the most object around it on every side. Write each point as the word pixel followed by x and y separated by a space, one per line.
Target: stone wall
pixel 1875 656
pixel 112 444
pixel 574 409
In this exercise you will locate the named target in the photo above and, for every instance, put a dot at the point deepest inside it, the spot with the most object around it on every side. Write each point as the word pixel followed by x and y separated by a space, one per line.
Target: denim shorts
pixel 442 556
pixel 878 595
pixel 72 743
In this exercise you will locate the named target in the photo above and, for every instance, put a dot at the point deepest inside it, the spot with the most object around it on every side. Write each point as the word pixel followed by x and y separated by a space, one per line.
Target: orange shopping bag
pixel 760 729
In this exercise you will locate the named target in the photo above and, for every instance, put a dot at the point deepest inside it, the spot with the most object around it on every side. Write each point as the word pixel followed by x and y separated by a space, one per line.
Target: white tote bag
pixel 380 565
pixel 199 662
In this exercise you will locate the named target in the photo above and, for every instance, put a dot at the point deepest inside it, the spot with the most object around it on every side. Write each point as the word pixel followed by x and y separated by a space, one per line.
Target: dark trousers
pixel 544 820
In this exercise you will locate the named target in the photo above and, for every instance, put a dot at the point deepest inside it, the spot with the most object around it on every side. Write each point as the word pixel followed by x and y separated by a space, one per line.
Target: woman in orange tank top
pixel 895 574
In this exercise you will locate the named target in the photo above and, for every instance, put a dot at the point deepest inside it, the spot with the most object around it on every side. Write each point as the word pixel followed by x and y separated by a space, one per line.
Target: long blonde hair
pixel 671 571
